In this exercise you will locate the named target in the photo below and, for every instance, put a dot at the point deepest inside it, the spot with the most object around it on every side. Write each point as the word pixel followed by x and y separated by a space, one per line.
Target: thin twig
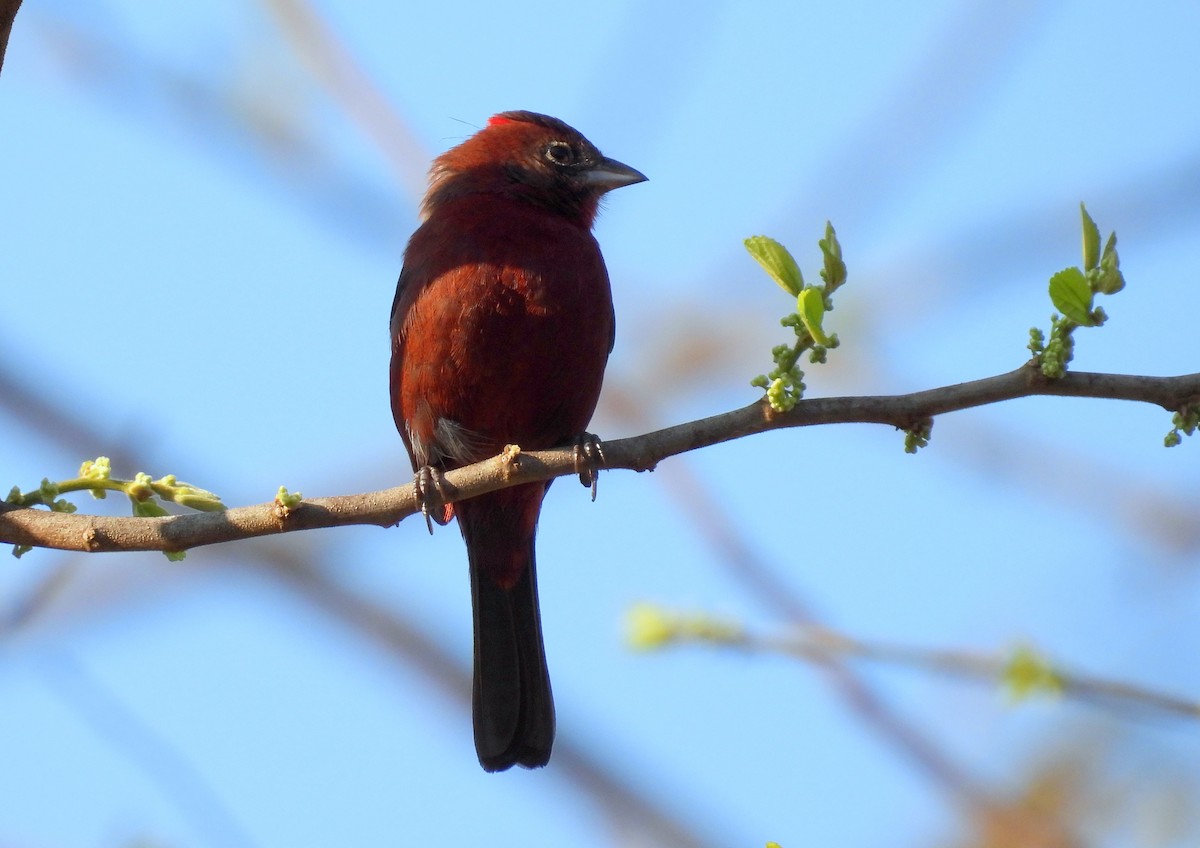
pixel 819 644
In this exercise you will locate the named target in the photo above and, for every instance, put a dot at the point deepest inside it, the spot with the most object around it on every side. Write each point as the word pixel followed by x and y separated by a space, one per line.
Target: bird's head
pixel 531 158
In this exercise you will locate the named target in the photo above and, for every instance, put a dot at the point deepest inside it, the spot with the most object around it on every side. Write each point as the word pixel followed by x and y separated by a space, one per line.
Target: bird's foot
pixel 431 495
pixel 589 459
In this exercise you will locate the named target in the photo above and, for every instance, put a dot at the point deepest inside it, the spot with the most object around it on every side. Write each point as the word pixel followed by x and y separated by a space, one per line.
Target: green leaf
pixel 206 502
pixel 1110 251
pixel 1027 673
pixel 918 436
pixel 147 508
pixel 99 468
pixel 648 627
pixel 811 307
pixel 1091 240
pixel 291 500
pixel 1072 296
pixel 778 262
pixel 834 270
pixel 1109 279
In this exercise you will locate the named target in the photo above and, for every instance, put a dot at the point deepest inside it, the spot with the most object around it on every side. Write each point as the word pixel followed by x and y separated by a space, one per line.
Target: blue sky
pixel 200 244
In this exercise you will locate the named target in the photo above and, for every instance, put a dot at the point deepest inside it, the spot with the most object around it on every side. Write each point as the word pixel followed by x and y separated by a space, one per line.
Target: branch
pixel 93 533
pixel 1022 671
pixel 817 643
pixel 8 12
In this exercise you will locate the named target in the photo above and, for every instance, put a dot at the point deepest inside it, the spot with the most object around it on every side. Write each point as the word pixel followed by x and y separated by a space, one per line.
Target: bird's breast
pixel 507 338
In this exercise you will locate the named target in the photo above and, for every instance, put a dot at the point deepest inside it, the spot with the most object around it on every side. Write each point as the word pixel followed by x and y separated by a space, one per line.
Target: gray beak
pixel 608 174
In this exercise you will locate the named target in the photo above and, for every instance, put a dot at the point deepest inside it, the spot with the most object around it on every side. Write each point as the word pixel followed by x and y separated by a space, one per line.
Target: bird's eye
pixel 560 153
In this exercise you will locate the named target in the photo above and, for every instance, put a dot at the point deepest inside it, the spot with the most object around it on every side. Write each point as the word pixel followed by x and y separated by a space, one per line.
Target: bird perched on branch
pixel 501 328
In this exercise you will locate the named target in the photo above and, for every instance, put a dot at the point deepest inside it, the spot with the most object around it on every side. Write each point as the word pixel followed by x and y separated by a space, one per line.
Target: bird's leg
pixel 589 459
pixel 431 495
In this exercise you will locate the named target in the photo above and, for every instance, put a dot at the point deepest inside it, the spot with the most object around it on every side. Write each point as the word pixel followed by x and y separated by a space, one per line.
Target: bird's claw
pixel 431 495
pixel 589 459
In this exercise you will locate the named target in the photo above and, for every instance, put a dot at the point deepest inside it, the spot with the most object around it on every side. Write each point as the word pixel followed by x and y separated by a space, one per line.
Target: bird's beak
pixel 608 174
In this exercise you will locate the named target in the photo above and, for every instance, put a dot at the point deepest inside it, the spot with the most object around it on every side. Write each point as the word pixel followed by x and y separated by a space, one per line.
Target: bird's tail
pixel 512 705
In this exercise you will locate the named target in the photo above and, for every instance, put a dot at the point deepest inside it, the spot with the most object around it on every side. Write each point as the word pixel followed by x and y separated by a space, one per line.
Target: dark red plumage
pixel 501 328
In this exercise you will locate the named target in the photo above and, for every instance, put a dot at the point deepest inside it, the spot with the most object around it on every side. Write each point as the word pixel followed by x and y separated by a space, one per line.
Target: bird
pixel 501 328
